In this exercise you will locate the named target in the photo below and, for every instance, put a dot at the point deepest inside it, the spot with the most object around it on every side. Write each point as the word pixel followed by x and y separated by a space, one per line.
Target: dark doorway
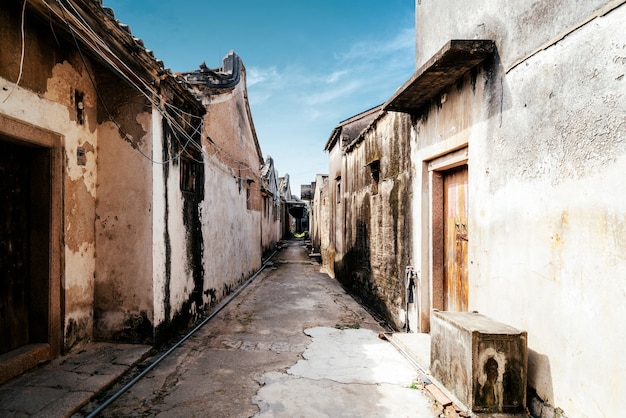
pixel 25 192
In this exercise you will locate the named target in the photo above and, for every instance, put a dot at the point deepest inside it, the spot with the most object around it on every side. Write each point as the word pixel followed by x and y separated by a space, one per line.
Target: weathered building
pixel 130 205
pixel 318 228
pixel 368 187
pixel 231 213
pixel 499 160
pixel 286 220
pixel 272 207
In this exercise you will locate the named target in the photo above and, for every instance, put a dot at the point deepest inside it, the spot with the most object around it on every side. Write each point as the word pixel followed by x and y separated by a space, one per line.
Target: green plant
pixel 356 325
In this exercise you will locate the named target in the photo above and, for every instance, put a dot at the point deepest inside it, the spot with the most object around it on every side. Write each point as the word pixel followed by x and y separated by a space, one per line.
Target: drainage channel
pixel 152 365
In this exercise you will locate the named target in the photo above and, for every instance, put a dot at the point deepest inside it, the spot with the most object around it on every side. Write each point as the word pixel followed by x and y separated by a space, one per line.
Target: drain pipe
pixel 221 306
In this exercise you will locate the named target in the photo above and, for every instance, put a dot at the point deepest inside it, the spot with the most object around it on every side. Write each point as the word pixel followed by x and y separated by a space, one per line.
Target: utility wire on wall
pixel 175 127
pixel 23 38
pixel 101 49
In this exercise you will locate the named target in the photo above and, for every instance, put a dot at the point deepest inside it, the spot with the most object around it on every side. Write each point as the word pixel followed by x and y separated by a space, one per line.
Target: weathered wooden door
pixel 14 247
pixel 455 239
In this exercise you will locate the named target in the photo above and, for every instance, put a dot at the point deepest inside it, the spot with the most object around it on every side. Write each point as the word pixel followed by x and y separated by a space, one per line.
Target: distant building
pixel 318 215
pixel 284 190
pixel 272 207
pixel 306 191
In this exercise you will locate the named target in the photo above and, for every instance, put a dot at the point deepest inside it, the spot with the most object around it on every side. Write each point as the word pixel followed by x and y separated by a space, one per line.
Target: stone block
pixel 481 361
pixel 18 361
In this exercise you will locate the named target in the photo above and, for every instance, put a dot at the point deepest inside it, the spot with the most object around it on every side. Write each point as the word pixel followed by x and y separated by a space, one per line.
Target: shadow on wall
pixel 540 392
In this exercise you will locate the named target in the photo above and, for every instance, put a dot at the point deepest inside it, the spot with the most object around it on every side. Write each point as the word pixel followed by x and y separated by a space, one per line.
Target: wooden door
pixel 455 204
pixel 14 247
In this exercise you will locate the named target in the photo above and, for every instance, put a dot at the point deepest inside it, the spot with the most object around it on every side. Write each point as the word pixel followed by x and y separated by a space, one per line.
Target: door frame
pixel 51 144
pixel 435 168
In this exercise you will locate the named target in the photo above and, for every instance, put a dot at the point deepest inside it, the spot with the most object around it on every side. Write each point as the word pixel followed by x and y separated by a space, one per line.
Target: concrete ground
pixel 344 372
pixel 291 344
pixel 61 387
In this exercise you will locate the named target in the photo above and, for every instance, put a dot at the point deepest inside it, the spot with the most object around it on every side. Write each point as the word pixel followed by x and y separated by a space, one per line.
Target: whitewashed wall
pixel 232 234
pixel 547 158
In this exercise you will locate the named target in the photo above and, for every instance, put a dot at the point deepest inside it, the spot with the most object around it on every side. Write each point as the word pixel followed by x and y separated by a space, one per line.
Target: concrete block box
pixel 481 361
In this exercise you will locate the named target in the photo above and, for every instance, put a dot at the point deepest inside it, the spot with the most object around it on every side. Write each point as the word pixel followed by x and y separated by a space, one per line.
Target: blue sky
pixel 310 64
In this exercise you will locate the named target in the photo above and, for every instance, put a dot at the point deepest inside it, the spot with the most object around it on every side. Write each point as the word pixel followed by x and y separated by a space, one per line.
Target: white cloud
pixel 302 103
pixel 336 76
pixel 256 75
pixel 331 93
pixel 375 49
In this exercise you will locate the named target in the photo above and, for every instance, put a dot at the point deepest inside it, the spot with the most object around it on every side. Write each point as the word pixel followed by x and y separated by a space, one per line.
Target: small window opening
pixel 375 172
pixel 249 183
pixel 190 176
pixel 338 189
pixel 79 102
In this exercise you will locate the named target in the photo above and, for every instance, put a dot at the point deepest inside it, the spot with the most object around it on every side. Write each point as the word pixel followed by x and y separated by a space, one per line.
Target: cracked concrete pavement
pixel 291 344
pixel 344 372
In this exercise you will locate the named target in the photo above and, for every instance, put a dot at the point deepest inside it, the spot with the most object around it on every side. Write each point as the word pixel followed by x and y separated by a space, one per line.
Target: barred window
pixel 191 176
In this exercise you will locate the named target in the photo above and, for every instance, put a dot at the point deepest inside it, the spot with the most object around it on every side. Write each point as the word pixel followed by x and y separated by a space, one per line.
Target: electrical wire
pixel 176 130
pixel 170 121
pixel 100 43
pixel 23 35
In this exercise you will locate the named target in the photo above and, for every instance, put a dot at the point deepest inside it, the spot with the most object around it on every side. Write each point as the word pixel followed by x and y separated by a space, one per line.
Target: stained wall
pixel 370 214
pixel 546 153
pixel 46 99
pixel 232 209
pixel 123 305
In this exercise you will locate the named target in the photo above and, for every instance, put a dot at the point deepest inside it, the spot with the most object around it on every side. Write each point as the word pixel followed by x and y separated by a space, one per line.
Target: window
pixel 191 176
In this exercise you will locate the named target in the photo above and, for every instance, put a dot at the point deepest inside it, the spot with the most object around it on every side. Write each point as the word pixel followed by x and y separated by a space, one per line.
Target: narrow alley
pixel 292 343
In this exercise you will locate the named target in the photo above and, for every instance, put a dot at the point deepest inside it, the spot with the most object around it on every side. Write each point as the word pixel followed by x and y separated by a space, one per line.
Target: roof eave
pixel 447 66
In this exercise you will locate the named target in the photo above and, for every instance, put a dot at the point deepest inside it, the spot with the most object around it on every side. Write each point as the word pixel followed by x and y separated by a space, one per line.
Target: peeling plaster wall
pixel 377 224
pixel 333 251
pixel 231 234
pixel 319 216
pixel 123 291
pixel 79 191
pixel 45 98
pixel 177 221
pixel 196 269
pixel 160 247
pixel 179 285
pixel 546 169
pixel 270 225
pixel 232 230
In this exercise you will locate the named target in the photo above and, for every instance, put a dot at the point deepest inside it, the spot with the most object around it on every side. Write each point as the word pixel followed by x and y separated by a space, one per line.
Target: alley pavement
pixel 62 386
pixel 293 343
